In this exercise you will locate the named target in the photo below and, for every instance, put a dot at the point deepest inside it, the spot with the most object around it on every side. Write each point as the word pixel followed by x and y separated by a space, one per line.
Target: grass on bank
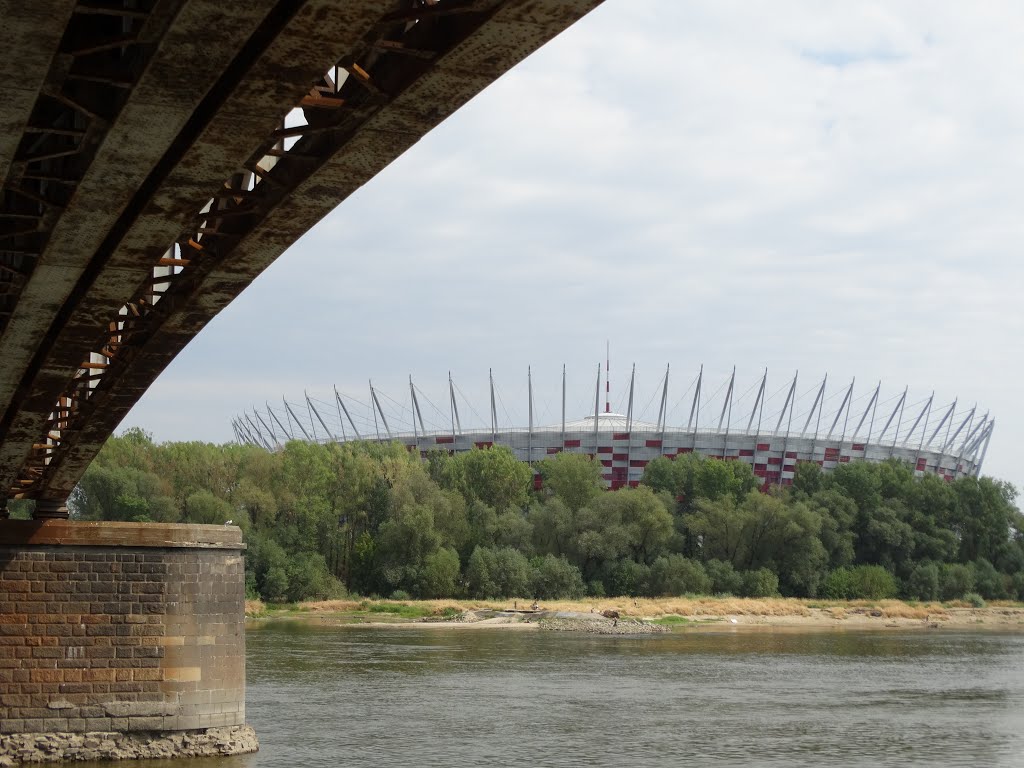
pixel 668 610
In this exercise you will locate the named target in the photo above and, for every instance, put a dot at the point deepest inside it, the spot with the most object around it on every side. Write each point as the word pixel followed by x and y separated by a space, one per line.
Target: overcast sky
pixel 823 186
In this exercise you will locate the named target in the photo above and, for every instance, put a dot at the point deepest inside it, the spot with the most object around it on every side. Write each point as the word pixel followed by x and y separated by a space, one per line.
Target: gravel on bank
pixel 23 748
pixel 597 625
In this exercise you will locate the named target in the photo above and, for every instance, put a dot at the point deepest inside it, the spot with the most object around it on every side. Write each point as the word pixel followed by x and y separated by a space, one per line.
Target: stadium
pixel 772 431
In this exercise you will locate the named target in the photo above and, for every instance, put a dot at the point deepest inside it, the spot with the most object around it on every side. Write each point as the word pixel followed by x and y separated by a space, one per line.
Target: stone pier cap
pixel 80 533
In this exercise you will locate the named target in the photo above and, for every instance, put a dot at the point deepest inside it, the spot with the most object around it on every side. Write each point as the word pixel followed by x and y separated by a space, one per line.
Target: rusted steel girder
pixel 127 76
pixel 410 70
pixel 88 78
pixel 29 37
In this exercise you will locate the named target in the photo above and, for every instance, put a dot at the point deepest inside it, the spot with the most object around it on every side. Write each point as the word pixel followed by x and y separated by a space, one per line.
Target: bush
pixel 1017 585
pixel 629 577
pixel 400 594
pixel 252 591
pixel 974 600
pixel 923 582
pixel 760 583
pixel 725 580
pixel 838 585
pixel 675 575
pixel 595 588
pixel 988 582
pixel 309 579
pixel 955 580
pixel 556 578
pixel 864 582
pixel 873 582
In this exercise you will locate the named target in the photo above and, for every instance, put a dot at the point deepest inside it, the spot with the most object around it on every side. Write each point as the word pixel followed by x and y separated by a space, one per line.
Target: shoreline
pixel 649 615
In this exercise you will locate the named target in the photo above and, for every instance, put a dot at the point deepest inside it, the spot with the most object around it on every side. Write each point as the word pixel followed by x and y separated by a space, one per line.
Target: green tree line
pixel 374 519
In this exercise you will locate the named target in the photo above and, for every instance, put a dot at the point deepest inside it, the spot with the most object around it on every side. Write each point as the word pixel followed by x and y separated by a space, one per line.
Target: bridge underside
pixel 157 155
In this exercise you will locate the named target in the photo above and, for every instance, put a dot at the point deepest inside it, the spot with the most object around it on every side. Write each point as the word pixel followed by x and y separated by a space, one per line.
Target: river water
pixel 322 695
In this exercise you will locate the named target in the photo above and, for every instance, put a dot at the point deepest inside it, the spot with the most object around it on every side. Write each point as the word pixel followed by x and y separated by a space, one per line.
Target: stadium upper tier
pixel 771 432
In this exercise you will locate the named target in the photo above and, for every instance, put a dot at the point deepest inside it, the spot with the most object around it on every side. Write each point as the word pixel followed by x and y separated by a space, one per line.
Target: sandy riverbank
pixel 676 613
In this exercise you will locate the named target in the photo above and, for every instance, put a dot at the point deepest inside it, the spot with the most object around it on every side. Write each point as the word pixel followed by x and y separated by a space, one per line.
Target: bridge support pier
pixel 119 639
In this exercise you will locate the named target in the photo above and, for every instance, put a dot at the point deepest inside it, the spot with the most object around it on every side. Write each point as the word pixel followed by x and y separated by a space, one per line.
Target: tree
pixel 480 573
pixel 763 532
pixel 554 527
pixel 644 525
pixel 440 574
pixel 404 542
pixel 496 477
pixel 573 478
pixel 502 572
pixel 808 478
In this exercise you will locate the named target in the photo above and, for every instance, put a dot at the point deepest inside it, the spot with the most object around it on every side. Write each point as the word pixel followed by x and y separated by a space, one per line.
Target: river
pixel 322 695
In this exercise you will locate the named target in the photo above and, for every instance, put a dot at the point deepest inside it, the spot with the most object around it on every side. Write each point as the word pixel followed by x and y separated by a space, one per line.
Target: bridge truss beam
pixel 403 73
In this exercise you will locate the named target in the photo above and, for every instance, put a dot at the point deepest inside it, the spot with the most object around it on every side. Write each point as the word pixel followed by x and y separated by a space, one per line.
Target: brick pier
pixel 120 627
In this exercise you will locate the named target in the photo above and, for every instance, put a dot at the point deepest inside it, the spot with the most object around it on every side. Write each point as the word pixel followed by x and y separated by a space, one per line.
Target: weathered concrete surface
pixel 29 37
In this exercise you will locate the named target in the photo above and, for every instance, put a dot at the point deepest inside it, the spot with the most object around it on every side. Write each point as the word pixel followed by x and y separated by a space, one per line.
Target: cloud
pixel 792 185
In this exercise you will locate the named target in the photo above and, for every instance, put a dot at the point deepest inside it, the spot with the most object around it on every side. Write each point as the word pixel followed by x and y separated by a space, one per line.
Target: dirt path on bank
pixel 647 614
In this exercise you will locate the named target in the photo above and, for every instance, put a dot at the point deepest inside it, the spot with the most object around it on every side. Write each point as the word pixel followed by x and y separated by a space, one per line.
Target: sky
pixel 820 187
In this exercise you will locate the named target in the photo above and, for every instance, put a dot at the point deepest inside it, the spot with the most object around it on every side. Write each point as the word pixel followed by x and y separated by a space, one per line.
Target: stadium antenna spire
pixel 663 411
pixel 563 403
pixel 320 419
pixel 897 409
pixel 412 399
pixel 494 410
pixel 456 422
pixel 629 409
pixel 259 418
pixel 695 408
pixel 375 405
pixel 984 449
pixel 949 443
pixel 529 397
pixel 342 406
pixel 607 377
pixel 282 426
pixel 728 421
pixel 758 401
pixel 309 408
